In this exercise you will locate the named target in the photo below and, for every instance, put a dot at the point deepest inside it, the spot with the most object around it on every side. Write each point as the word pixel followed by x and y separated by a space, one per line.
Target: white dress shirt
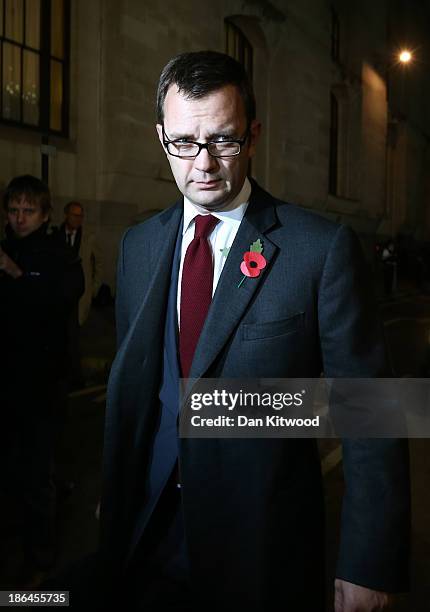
pixel 221 237
pixel 72 235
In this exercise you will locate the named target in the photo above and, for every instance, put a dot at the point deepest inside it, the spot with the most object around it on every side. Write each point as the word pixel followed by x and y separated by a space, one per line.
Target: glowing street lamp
pixel 405 56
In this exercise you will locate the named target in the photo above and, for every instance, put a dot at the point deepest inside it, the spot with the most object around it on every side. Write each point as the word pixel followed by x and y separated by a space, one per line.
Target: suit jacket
pixel 253 508
pixel 91 261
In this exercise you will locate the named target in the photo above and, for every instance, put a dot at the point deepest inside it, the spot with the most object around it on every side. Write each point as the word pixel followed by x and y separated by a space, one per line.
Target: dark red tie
pixel 196 289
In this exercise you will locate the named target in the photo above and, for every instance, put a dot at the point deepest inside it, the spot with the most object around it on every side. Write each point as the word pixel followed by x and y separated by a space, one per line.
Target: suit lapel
pixel 163 256
pixel 149 322
pixel 230 301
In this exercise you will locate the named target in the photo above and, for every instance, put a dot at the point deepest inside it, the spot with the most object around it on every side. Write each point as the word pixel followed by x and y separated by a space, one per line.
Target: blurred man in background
pixel 40 281
pixel 83 244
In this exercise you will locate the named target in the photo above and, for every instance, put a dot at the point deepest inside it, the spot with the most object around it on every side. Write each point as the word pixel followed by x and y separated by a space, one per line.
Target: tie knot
pixel 204 225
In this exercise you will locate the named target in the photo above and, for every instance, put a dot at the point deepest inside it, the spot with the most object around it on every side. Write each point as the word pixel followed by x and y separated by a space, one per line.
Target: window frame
pixel 45 59
pixel 335 35
pixel 333 176
pixel 242 49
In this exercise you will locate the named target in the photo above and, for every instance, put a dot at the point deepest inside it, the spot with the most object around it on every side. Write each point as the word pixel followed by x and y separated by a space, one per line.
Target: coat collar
pixel 162 251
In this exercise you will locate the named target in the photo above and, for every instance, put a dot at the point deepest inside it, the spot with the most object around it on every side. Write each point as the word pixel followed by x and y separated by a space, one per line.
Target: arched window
pixel 239 47
pixel 34 64
pixel 335 35
pixel 345 138
pixel 245 41
pixel 333 183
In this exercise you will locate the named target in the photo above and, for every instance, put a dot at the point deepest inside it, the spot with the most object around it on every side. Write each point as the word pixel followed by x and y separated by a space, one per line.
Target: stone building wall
pixel 113 162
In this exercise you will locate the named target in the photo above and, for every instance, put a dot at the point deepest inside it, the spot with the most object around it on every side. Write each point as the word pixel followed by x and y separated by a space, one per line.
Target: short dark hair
pixel 29 187
pixel 70 204
pixel 198 74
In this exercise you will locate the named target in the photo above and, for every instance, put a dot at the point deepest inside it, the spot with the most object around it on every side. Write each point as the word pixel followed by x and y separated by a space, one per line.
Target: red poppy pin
pixel 253 261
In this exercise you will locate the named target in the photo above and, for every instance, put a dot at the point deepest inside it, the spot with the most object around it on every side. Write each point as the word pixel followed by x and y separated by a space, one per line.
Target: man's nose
pixel 20 216
pixel 205 162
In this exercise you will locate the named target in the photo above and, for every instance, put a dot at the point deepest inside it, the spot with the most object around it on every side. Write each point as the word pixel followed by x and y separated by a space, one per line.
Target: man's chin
pixel 213 199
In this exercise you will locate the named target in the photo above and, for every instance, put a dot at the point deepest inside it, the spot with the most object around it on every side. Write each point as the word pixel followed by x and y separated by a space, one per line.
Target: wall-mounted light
pixel 405 56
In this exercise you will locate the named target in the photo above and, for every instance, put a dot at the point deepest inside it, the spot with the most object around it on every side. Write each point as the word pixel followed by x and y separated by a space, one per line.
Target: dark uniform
pixel 34 310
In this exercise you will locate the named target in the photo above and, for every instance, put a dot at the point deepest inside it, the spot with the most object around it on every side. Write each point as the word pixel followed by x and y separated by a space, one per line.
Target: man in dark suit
pixel 238 523
pixel 82 243
pixel 40 280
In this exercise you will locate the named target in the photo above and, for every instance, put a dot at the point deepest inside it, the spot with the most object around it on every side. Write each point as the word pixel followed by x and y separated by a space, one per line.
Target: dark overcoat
pixel 253 508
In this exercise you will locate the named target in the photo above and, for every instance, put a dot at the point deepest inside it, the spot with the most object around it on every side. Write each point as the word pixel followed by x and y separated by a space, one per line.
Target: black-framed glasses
pixel 187 149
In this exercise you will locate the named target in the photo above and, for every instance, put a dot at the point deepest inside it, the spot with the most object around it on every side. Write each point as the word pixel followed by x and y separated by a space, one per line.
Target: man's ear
pixel 159 128
pixel 254 135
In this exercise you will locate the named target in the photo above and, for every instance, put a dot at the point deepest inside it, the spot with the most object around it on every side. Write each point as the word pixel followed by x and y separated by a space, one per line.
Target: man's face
pixel 209 182
pixel 25 217
pixel 74 217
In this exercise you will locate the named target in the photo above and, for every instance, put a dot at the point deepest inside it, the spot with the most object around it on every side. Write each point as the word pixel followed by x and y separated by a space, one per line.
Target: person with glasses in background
pixel 213 524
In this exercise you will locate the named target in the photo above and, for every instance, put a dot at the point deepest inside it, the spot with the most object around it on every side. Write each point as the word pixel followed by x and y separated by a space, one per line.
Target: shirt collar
pixel 234 211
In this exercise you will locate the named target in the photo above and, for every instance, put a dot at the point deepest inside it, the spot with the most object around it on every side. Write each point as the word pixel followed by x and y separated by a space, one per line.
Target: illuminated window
pixel 34 64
